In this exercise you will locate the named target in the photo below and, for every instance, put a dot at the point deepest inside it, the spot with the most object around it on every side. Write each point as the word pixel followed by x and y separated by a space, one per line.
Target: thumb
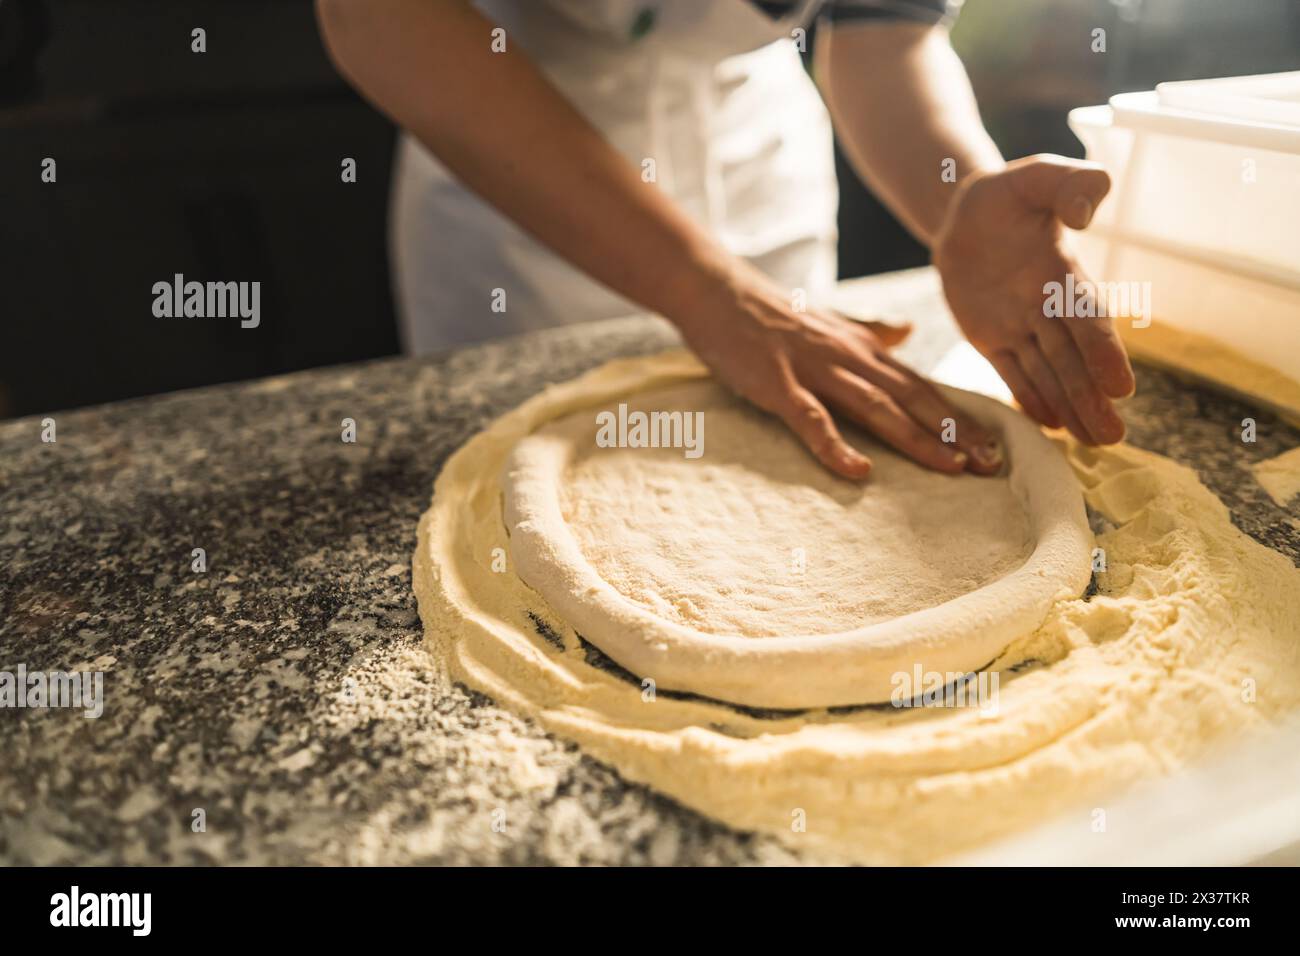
pixel 1071 189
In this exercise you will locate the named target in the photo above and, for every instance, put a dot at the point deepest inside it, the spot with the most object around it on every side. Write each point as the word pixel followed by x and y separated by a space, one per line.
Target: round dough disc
pixel 750 574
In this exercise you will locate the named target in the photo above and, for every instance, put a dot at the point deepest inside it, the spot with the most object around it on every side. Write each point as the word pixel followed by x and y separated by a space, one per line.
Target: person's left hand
pixel 1002 241
pixel 798 365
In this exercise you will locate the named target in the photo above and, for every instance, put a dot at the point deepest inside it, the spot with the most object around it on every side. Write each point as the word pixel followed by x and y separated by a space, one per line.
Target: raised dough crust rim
pixel 824 670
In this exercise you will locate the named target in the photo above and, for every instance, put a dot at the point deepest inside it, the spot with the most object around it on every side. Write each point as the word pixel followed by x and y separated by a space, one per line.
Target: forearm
pixel 902 106
pixel 498 123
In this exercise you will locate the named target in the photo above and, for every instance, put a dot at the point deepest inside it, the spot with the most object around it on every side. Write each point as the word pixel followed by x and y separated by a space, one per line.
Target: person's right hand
pixel 796 364
pixel 1002 242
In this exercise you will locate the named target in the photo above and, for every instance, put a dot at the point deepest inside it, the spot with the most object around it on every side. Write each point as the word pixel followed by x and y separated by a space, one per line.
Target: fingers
pixel 1103 352
pixel 1092 409
pixel 913 395
pixel 936 415
pixel 1039 371
pixel 1040 374
pixel 1078 196
pixel 877 411
pixel 1071 189
pixel 888 335
pixel 1023 389
pixel 855 375
pixel 1104 355
pixel 881 333
pixel 808 418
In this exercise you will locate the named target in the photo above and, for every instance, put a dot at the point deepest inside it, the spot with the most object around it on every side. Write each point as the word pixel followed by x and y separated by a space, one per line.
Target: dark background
pixel 226 164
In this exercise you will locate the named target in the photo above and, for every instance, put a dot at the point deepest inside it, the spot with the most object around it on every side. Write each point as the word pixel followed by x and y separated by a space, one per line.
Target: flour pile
pixel 1191 633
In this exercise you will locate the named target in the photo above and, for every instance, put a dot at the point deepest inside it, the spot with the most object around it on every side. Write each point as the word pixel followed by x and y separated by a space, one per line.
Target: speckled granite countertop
pixel 284 692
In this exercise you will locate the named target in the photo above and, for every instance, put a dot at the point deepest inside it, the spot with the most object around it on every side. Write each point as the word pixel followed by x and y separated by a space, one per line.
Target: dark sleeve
pixel 921 11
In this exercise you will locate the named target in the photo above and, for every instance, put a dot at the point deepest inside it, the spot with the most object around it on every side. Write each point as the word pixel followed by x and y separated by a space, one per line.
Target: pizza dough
pixel 751 574
pixel 1192 633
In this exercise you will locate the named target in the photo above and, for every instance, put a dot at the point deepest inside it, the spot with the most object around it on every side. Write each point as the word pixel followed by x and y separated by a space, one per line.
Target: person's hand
pixel 1001 243
pixel 795 364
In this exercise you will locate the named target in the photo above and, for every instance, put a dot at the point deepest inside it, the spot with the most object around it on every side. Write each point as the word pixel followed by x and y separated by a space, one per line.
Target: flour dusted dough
pixel 1193 634
pixel 753 575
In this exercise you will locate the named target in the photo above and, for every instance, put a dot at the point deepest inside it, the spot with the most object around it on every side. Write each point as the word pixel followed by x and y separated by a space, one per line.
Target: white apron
pixel 712 90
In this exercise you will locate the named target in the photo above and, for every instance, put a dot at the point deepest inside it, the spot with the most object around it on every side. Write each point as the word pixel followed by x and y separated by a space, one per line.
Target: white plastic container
pixel 1271 98
pixel 1205 205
